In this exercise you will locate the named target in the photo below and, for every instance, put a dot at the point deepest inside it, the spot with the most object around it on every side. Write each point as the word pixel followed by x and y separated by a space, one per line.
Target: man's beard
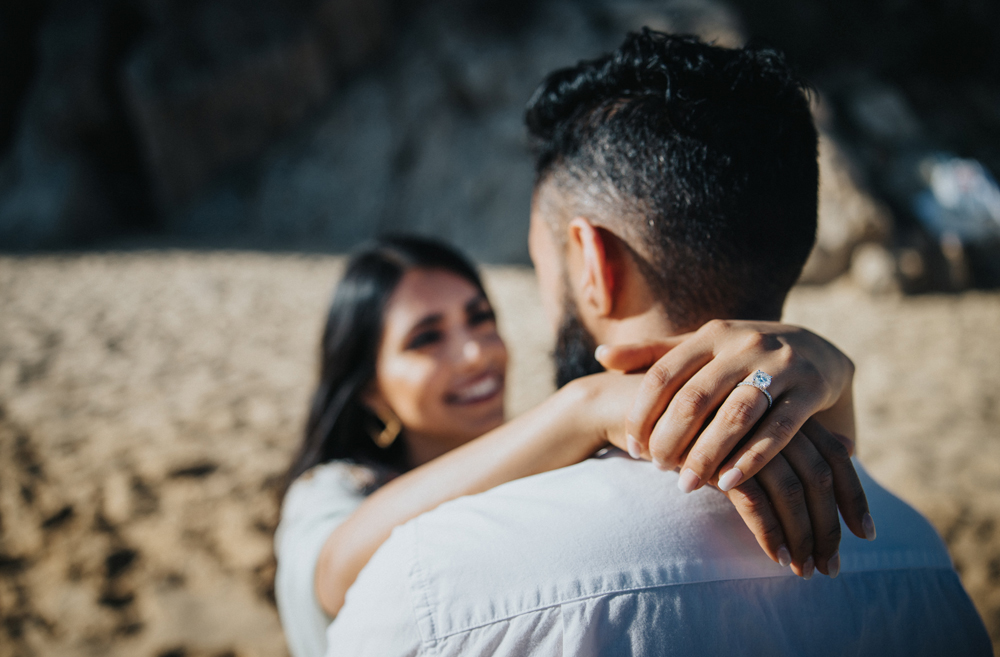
pixel 574 354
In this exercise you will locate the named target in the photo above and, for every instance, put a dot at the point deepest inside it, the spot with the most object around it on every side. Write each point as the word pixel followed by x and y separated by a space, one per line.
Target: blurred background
pixel 179 177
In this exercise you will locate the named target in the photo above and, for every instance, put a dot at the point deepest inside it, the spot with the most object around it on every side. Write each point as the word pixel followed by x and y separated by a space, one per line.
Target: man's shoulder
pixel 614 525
pixel 612 540
pixel 614 494
pixel 600 527
pixel 606 498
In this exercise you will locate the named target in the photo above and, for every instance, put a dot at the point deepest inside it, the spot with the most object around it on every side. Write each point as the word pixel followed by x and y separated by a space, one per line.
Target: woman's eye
pixel 423 339
pixel 481 316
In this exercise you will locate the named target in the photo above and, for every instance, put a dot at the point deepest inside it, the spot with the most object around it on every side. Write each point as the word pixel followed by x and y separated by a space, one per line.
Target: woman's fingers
pixel 787 495
pixel 698 377
pixel 817 479
pixel 779 425
pixel 849 493
pixel 741 410
pixel 659 386
pixel 754 506
pixel 635 357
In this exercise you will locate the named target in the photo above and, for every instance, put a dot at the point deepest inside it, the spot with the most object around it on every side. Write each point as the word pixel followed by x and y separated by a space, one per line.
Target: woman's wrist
pixel 596 407
pixel 578 413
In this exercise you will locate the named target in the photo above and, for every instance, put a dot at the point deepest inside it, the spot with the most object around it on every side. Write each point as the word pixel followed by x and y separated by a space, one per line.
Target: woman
pixel 412 368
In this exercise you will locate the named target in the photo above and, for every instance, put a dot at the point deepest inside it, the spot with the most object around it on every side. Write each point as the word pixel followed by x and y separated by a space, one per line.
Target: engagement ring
pixel 760 380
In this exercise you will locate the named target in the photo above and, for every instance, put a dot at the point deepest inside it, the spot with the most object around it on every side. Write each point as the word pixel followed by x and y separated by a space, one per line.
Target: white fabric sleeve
pixel 315 505
pixel 379 617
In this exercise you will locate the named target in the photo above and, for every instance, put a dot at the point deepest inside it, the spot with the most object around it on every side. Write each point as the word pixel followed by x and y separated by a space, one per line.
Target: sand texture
pixel 149 403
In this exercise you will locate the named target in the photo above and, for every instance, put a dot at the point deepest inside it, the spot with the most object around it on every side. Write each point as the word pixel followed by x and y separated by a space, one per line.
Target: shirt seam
pixel 634 589
pixel 423 610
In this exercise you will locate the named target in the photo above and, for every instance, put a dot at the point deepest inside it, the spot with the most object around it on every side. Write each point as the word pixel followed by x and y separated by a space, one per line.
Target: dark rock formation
pixel 314 124
pixel 70 172
pixel 217 82
pixel 904 82
pixel 432 140
pixel 136 107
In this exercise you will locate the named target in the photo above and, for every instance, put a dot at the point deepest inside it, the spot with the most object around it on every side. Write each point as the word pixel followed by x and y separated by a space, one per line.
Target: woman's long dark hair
pixel 339 424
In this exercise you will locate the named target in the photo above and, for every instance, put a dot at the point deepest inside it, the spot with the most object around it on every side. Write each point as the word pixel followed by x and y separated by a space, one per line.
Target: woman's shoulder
pixel 341 476
pixel 330 490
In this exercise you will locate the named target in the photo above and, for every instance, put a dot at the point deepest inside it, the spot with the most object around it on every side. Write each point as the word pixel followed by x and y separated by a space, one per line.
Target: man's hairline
pixel 597 214
pixel 555 222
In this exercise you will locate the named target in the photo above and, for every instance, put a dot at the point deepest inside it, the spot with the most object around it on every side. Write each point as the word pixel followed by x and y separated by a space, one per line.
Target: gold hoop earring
pixel 391 431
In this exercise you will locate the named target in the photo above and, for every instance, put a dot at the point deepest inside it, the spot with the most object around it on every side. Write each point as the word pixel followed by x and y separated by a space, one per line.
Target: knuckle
pixel 783 428
pixel 659 452
pixel 715 328
pixel 771 533
pixel 805 544
pixel 715 325
pixel 657 377
pixel 755 501
pixel 739 414
pixel 692 402
pixel 808 377
pixel 700 461
pixel 821 476
pixel 757 460
pixel 837 453
pixel 833 535
pixel 791 490
pixel 789 359
pixel 757 341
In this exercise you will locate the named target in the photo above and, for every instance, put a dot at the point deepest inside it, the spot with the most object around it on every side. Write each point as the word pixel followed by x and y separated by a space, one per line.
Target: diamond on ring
pixel 760 380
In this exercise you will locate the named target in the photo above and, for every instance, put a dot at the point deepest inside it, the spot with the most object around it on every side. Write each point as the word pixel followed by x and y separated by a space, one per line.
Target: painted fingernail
pixel 634 448
pixel 869 526
pixel 600 352
pixel 784 557
pixel 809 568
pixel 730 479
pixel 660 464
pixel 833 565
pixel 688 480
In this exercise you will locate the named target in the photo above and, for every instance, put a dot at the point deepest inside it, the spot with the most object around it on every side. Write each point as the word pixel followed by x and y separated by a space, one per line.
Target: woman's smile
pixel 483 388
pixel 441 365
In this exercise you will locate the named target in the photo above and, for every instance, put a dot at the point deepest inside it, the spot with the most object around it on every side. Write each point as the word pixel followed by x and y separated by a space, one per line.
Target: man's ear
pixel 598 276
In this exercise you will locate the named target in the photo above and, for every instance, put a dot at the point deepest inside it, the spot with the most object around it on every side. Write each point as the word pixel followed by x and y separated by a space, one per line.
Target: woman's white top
pixel 315 505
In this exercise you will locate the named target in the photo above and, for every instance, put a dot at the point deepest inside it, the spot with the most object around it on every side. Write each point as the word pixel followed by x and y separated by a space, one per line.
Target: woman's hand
pixel 793 500
pixel 791 504
pixel 689 377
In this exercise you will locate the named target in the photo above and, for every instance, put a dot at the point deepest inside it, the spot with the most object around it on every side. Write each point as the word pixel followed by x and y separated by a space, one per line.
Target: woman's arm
pixel 588 413
pixel 563 430
pixel 689 415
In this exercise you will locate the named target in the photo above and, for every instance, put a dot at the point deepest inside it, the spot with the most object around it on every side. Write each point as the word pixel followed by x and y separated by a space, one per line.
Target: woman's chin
pixel 482 421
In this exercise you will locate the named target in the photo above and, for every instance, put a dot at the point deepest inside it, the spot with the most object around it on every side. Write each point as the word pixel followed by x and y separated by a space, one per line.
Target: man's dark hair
pixel 702 159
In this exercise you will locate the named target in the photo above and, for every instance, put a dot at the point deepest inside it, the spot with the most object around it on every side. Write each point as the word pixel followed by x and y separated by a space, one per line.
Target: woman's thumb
pixel 633 357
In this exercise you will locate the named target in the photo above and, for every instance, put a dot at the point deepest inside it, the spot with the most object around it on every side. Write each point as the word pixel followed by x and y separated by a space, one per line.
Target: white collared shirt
pixel 607 557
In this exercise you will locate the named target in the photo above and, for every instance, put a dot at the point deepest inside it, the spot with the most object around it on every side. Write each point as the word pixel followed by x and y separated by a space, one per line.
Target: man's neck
pixel 651 324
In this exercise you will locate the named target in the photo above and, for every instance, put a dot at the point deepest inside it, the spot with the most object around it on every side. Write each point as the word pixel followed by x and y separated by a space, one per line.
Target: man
pixel 676 182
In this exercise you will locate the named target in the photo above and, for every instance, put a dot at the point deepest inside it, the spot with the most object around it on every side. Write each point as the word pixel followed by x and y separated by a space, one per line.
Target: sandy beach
pixel 150 401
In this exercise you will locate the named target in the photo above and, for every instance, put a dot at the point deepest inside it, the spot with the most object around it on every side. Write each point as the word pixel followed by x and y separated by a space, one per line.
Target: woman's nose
pixel 472 351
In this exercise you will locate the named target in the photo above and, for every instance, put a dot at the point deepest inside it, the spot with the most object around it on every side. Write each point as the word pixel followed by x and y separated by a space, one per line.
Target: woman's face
pixel 441 364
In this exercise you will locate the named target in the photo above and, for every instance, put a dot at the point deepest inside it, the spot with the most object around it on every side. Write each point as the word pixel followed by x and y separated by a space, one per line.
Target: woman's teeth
pixel 484 389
